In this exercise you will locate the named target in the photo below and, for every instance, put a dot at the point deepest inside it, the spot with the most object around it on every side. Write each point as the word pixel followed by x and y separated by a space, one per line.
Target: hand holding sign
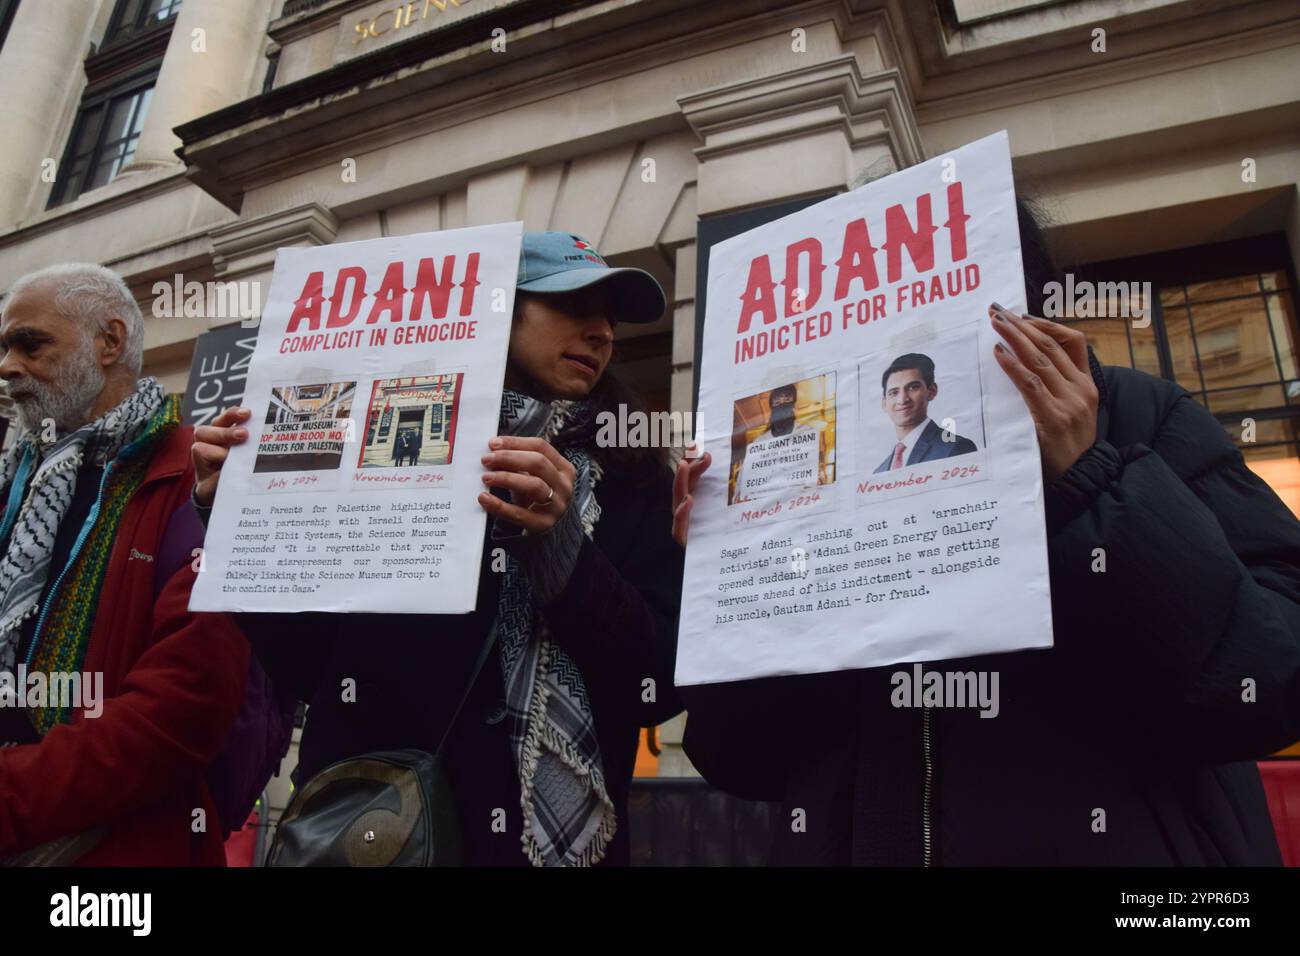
pixel 343 486
pixel 539 479
pixel 1049 365
pixel 212 445
pixel 687 478
pixel 885 484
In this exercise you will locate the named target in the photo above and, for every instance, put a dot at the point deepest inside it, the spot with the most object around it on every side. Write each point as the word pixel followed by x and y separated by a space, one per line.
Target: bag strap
pixel 473 679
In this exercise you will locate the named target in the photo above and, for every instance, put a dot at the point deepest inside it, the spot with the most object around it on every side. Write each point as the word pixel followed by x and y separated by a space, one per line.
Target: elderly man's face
pixel 49 363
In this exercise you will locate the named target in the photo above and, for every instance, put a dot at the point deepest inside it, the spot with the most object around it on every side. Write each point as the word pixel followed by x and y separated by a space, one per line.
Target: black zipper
pixel 927 842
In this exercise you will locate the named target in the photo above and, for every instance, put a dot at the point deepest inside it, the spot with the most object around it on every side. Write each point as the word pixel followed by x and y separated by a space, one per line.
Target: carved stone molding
pixel 249 245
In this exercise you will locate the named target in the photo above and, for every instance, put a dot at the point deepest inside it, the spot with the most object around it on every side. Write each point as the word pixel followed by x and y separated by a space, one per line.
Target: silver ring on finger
pixel 550 494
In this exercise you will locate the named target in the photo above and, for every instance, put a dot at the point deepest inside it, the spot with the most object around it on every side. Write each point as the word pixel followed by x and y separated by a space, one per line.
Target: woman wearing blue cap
pixel 582 622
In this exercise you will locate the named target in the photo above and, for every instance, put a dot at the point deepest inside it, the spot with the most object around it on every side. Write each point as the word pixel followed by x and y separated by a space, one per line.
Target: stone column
pixel 804 131
pixel 201 71
pixel 40 67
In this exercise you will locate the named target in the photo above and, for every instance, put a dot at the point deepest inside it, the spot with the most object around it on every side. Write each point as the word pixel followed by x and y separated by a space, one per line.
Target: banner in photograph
pixel 883 498
pixel 376 363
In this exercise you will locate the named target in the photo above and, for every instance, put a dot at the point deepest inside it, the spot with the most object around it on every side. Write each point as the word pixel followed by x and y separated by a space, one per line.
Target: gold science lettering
pixel 403 15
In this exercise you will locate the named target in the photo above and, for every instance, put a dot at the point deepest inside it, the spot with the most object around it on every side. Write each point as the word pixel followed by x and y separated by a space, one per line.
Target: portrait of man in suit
pixel 907 388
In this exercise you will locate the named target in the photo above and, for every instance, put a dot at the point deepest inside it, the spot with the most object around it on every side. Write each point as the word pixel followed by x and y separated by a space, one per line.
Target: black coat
pixel 617 618
pixel 1136 712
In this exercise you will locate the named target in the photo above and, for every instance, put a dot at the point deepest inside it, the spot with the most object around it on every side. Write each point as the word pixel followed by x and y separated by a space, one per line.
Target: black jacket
pixel 617 618
pixel 1127 743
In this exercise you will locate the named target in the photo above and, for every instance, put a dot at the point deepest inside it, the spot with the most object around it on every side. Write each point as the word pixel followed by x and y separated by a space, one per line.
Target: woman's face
pixel 560 343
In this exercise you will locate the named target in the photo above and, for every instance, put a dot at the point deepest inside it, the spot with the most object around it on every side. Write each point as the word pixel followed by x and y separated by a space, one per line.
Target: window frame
pixel 126 63
pixel 1254 255
pixel 119 31
pixel 65 191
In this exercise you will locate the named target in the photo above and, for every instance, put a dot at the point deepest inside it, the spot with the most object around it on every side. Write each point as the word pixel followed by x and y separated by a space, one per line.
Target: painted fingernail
pixel 999 347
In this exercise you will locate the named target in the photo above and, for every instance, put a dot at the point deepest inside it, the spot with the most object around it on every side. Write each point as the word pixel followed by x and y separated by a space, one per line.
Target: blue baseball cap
pixel 563 262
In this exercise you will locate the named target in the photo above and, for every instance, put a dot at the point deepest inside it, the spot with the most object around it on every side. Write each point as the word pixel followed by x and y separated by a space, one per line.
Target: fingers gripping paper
pixel 374 388
pixel 876 493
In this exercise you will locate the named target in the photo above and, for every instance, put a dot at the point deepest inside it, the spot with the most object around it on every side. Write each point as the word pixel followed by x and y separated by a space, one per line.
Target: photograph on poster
pixel 783 438
pixel 921 404
pixel 306 427
pixel 411 421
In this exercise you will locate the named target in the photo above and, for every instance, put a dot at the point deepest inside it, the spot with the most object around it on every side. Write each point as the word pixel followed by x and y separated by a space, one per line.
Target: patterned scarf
pixel 569 818
pixel 42 478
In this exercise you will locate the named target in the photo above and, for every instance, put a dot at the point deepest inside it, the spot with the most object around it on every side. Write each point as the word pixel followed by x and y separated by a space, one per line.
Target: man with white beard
pixel 96 542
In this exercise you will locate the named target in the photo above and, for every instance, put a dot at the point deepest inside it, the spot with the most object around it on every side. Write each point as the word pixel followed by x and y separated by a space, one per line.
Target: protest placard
pixel 374 388
pixel 876 495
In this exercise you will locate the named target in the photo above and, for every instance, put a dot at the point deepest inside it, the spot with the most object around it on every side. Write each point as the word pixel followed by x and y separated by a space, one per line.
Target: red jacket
pixel 173 683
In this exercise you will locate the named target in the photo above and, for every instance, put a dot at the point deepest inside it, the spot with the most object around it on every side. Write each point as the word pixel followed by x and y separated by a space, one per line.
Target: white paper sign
pixel 374 389
pixel 876 490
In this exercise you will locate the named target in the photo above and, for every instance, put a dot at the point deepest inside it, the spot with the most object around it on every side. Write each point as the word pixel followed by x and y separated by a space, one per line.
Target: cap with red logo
pixel 563 262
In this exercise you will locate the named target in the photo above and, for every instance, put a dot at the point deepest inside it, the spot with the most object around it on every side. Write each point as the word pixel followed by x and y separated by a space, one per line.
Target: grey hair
pixel 90 296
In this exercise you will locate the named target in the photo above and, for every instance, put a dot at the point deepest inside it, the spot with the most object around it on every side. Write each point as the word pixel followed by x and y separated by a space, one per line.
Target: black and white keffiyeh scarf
pixel 41 478
pixel 568 816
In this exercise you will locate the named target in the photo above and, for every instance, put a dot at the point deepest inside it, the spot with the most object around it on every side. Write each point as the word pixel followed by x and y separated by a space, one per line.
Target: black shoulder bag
pixel 389 808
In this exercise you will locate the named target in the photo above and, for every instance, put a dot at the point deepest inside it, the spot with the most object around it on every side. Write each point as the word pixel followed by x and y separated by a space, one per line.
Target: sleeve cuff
pixel 548 559
pixel 203 513
pixel 1071 494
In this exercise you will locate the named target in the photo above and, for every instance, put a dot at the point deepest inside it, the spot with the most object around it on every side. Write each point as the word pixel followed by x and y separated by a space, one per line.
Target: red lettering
pixel 956 223
pixel 857 259
pixel 337 318
pixel 306 308
pixel 919 242
pixel 433 288
pixel 813 250
pixel 388 298
pixel 469 285
pixel 900 235
pixel 758 297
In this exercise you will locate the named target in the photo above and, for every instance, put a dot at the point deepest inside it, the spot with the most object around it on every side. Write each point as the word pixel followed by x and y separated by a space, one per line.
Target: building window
pixel 120 79
pixel 133 16
pixel 103 141
pixel 965 12
pixel 1224 327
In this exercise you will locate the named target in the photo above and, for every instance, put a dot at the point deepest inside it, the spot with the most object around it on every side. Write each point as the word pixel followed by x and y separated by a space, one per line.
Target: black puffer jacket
pixel 1128 743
